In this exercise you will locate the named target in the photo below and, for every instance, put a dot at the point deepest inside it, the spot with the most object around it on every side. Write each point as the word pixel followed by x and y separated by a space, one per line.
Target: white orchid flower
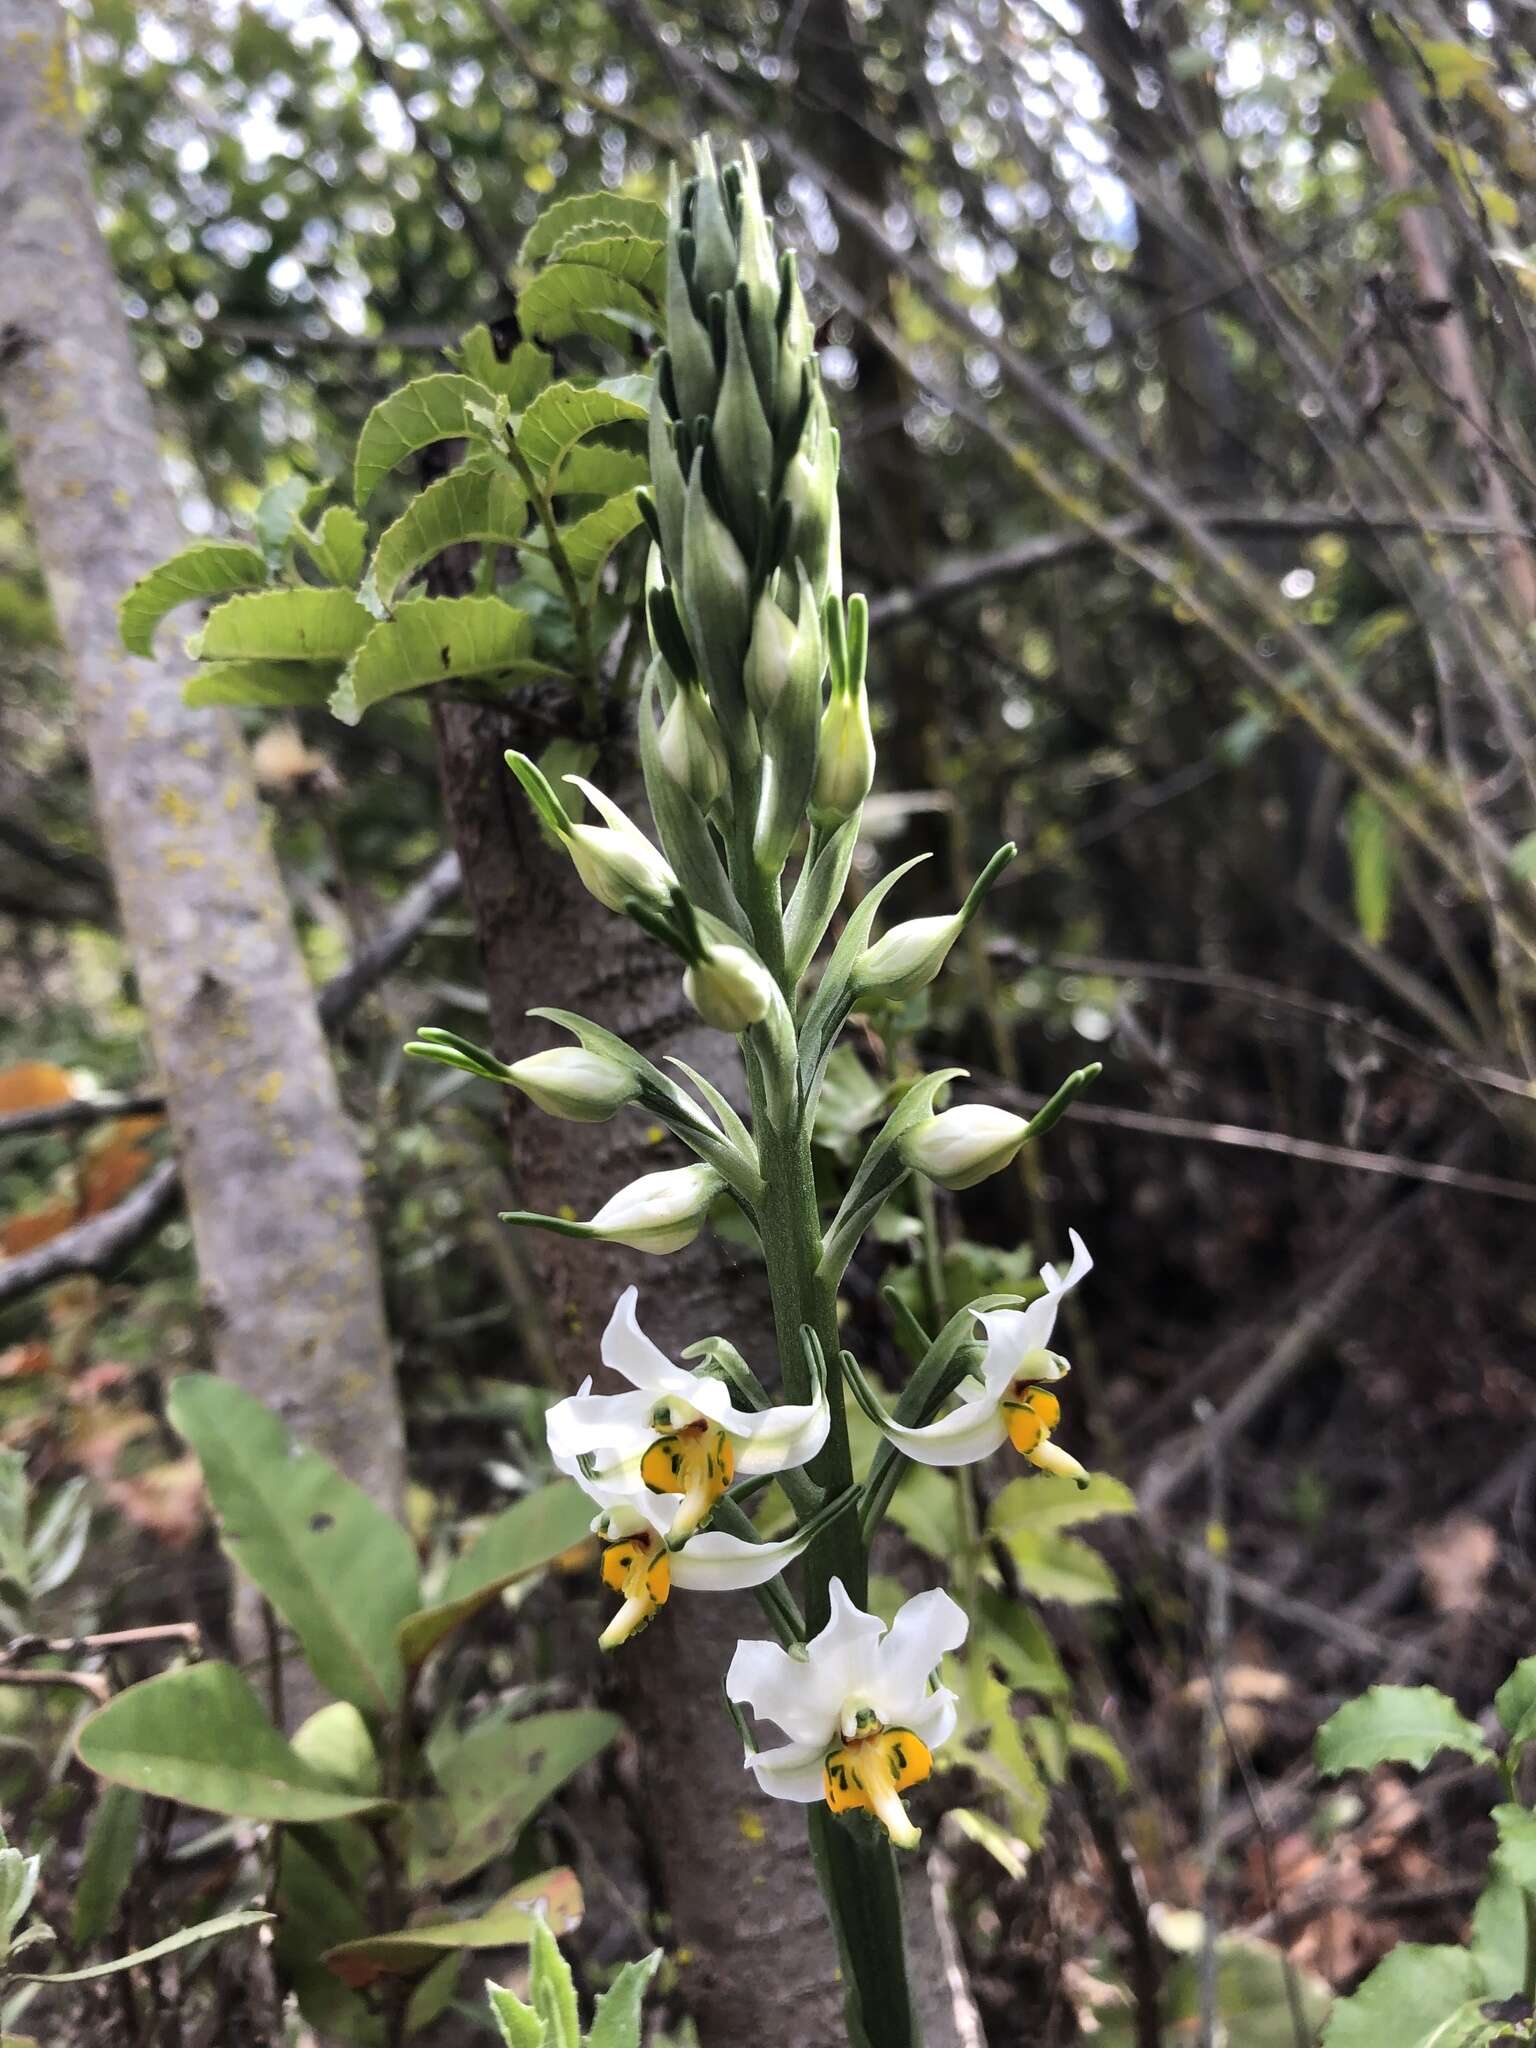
pixel 1008 1400
pixel 657 1459
pixel 861 1720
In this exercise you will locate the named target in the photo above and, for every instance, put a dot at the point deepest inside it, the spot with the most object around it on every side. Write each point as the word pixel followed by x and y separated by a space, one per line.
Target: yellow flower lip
pixel 639 1567
pixel 869 1774
pixel 696 1461
pixel 1031 1414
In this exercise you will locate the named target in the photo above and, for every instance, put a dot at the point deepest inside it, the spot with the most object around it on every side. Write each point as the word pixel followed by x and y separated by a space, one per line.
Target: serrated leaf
pixel 519 378
pixel 201 1736
pixel 337 1568
pixel 637 259
pixel 469 504
pixel 554 1895
pixel 578 298
pixel 591 212
pixel 1408 1724
pixel 554 1992
pixel 518 1541
pixel 563 415
pixel 617 2022
pixel 258 682
pixel 1515 1700
pixel 1501 1934
pixel 278 512
pixel 205 1930
pixel 283 625
pixel 1411 2000
pixel 427 410
pixel 338 545
pixel 1044 1503
pixel 497 1776
pixel 209 568
pixel 590 540
pixel 596 470
pixel 1516 1853
pixel 518 2024
pixel 441 639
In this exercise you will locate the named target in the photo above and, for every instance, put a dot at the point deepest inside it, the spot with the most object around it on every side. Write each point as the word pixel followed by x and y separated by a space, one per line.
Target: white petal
pixel 779 1688
pixel 584 1423
pixel 780 1438
pixel 791 1772
pixel 841 1660
pixel 1013 1333
pixel 922 1632
pixel 715 1563
pixel 963 1437
pixel 934 1723
pixel 626 1349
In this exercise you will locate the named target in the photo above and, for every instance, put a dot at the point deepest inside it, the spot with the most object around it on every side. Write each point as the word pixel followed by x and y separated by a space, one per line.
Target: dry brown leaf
pixel 1456 1559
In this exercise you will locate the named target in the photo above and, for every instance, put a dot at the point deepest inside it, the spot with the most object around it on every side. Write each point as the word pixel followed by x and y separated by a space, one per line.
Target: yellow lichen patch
pixel 750 1826
pixel 170 803
pixel 178 857
pixel 654 1134
pixel 268 1088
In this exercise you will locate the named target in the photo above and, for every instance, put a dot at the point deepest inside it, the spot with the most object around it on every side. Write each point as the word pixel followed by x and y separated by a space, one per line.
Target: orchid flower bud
pixel 845 762
pixel 960 1147
pixel 568 1081
pixel 907 957
pixel 692 747
pixel 659 1212
pixel 729 988
pixel 615 861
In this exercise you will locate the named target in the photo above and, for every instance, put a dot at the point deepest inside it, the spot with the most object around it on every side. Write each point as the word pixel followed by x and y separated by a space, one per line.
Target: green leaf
pixel 586 213
pixel 1018 1642
pixel 1044 1504
pixel 635 259
pixel 200 1735
pixel 340 1571
pixel 1516 1853
pixel 258 682
pixel 596 470
pixel 554 1992
pixel 1411 1999
pixel 283 625
pixel 427 410
pixel 563 415
pixel 209 568
pixel 338 545
pixel 1454 66
pixel 590 540
pixel 518 379
pixel 617 2021
pixel 1515 1700
pixel 1373 864
pixel 441 639
pixel 518 2024
pixel 1055 1567
pixel 107 1864
pixel 465 505
pixel 497 1776
pixel 1408 1724
pixel 1500 1938
pixel 205 1930
pixel 554 1894
pixel 278 512
pixel 517 1542
pixel 335 1742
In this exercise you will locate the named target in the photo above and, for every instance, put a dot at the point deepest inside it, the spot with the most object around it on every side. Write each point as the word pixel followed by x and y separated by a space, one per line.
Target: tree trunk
pixel 273 1178
pixel 734 1869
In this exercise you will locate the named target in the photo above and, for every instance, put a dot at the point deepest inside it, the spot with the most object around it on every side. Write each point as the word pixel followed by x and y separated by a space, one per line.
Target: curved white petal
pixel 626 1349
pixel 935 1720
pixel 779 1688
pixel 780 1438
pixel 585 1423
pixel 715 1563
pixel 915 1646
pixel 793 1771
pixel 963 1437
pixel 1012 1334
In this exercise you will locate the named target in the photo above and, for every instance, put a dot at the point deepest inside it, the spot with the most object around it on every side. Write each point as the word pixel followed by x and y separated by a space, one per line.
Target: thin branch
pixel 99 1245
pixel 63 1116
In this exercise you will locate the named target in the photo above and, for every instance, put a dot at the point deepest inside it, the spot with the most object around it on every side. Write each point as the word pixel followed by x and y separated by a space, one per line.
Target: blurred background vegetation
pixel 1185 360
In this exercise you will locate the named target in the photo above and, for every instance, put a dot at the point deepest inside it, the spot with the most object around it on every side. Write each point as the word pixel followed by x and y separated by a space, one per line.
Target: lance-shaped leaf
pixel 563 415
pixel 496 1777
pixel 427 410
pixel 817 893
pixel 205 1930
pixel 107 1865
pixel 579 298
pixel 200 1736
pixel 590 540
pixel 283 625
pixel 517 378
pixel 881 1172
pixel 209 568
pixel 340 1571
pixel 553 1898
pixel 441 639
pixel 466 505
pixel 519 1540
pixel 587 214
pixel 271 683
pixel 616 2021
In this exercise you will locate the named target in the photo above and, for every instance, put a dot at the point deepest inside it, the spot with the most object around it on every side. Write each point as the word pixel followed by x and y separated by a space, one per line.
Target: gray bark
pixel 273 1177
pixel 733 1868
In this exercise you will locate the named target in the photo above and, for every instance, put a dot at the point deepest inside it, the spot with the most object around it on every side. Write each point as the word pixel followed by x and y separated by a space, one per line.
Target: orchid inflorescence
pixel 756 744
